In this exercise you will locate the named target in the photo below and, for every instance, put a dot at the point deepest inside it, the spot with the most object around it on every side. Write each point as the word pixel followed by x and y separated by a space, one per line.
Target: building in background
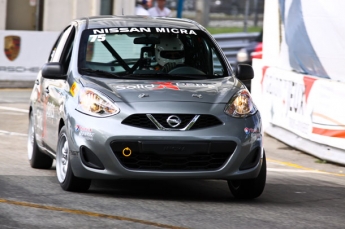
pixel 54 15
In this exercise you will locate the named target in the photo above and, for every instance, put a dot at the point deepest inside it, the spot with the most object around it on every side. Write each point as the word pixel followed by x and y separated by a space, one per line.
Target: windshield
pixel 148 52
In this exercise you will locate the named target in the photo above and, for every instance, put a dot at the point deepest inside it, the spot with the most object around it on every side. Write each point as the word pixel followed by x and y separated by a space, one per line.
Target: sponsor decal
pixel 290 93
pixel 84 132
pixel 144 30
pixel 74 89
pixel 39 120
pixel 50 110
pixel 135 86
pixel 167 85
pixel 164 85
pixel 250 130
pixel 12 47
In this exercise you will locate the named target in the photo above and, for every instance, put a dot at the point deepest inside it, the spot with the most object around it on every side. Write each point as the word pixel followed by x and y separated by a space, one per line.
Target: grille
pixel 142 121
pixel 168 156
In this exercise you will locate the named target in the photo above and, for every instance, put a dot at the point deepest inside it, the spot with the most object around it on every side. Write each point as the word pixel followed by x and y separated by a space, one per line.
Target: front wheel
pixel 251 188
pixel 64 173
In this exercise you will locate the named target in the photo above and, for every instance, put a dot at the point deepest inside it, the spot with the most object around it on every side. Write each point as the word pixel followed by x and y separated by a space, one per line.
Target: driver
pixel 169 52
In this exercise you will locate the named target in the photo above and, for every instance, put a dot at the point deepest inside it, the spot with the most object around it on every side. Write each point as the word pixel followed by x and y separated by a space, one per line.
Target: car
pixel 253 50
pixel 136 97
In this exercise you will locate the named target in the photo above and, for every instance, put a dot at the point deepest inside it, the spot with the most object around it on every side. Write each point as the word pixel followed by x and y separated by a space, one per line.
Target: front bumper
pixel 127 152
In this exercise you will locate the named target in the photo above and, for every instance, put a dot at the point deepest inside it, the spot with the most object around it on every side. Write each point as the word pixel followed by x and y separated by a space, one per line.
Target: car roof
pixel 137 21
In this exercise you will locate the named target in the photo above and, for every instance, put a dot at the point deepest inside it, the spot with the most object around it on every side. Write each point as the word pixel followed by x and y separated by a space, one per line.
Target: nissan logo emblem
pixel 173 121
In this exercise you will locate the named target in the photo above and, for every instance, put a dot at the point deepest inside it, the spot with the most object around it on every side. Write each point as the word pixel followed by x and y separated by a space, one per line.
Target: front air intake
pixel 159 121
pixel 90 159
pixel 173 155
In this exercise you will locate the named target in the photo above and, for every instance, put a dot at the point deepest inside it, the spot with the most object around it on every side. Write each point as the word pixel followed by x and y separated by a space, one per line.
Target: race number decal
pixel 100 37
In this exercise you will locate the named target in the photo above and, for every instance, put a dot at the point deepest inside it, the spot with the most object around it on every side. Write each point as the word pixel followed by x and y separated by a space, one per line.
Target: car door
pixel 39 97
pixel 53 90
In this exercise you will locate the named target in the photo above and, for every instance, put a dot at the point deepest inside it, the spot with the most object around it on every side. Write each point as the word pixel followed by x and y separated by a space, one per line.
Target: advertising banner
pixel 312 37
pixel 23 53
pixel 299 84
pixel 308 107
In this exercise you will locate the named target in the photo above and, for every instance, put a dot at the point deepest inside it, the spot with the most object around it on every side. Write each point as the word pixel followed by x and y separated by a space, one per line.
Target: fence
pixel 231 43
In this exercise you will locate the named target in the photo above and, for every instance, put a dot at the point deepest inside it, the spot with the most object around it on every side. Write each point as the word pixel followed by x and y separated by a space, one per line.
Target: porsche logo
pixel 12 47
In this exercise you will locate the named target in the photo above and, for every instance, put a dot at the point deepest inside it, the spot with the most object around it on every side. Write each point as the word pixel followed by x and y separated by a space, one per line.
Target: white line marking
pixel 14 109
pixel 3 132
pixel 293 170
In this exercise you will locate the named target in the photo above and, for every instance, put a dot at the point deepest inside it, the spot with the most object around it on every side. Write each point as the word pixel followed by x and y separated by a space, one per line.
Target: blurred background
pixel 30 27
pixel 219 16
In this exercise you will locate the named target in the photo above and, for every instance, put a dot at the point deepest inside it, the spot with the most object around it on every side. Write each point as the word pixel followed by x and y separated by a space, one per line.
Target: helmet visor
pixel 172 54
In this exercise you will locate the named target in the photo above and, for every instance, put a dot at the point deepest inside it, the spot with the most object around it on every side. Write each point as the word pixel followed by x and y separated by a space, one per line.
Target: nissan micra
pixel 135 97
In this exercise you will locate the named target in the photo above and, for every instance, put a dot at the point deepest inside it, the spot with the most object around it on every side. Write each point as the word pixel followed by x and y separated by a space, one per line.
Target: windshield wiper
pixel 100 73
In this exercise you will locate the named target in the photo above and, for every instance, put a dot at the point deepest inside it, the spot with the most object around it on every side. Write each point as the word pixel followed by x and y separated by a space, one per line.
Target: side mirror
pixel 53 70
pixel 244 72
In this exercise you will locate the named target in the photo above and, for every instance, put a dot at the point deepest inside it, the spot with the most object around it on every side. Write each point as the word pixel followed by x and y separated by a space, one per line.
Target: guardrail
pixel 231 43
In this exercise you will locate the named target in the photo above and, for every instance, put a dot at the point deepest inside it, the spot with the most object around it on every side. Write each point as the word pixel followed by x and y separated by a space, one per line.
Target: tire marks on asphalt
pixel 88 213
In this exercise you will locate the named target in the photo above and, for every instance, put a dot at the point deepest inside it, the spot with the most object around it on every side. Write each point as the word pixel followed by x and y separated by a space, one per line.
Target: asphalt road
pixel 301 191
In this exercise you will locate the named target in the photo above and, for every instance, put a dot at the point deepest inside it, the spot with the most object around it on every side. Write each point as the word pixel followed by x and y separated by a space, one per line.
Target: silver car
pixel 134 97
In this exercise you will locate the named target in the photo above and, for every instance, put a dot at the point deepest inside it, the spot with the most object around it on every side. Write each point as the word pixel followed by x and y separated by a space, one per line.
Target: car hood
pixel 218 90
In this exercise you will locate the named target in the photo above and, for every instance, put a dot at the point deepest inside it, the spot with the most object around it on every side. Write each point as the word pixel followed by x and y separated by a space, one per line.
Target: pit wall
pixel 303 111
pixel 299 83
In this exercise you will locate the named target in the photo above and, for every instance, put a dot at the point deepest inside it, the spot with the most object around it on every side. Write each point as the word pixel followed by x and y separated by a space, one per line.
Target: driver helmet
pixel 169 50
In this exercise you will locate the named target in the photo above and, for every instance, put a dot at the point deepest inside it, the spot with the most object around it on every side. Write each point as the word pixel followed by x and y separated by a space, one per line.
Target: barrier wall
pixel 299 83
pixel 303 111
pixel 23 54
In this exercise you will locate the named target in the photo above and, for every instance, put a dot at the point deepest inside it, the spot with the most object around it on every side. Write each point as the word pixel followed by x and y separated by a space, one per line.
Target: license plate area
pixel 174 147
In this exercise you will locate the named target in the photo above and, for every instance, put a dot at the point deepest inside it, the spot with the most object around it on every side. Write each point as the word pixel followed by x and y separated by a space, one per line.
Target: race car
pixel 136 97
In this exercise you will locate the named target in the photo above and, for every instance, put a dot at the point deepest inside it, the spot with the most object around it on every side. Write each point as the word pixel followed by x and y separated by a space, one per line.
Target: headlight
pixel 242 55
pixel 240 105
pixel 93 103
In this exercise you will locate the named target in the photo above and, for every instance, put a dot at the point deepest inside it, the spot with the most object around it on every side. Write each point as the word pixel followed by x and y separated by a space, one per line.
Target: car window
pixel 143 51
pixel 217 66
pixel 122 44
pixel 52 52
pixel 60 44
pixel 66 54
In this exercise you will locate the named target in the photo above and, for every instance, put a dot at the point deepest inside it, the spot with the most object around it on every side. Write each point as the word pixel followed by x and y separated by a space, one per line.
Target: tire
pixel 252 188
pixel 64 173
pixel 37 158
